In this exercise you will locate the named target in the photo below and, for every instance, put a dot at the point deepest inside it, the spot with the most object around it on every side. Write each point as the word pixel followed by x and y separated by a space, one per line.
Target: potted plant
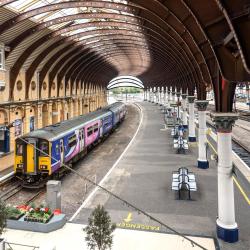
pixel 99 231
pixel 3 217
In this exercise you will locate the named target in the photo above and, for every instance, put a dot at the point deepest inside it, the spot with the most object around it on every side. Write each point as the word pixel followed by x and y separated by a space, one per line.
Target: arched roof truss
pixel 184 44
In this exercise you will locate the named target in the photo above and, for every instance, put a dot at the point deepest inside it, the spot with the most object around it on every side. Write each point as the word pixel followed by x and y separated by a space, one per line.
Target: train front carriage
pixel 32 158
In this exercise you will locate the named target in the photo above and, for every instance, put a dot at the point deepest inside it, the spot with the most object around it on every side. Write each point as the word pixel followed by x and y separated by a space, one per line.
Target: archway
pixel 123 88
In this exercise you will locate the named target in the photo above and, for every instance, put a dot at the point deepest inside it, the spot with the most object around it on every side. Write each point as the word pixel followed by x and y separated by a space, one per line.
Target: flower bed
pixel 39 214
pixel 14 213
pixel 32 213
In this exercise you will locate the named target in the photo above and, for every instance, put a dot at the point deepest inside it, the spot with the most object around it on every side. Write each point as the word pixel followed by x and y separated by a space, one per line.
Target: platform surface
pixel 143 177
pixel 6 164
pixel 71 236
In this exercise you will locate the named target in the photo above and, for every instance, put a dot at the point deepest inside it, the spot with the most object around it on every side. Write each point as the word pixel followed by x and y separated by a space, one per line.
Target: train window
pixel 95 127
pixel 72 141
pixel 19 149
pixel 90 131
pixel 43 148
pixel 57 149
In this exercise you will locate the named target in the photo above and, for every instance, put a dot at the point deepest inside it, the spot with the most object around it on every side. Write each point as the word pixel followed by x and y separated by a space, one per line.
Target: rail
pixel 11 246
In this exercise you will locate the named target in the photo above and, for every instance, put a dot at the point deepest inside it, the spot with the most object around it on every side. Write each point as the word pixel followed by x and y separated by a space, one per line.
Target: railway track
pixel 11 192
pixel 25 197
pixel 244 115
pixel 237 147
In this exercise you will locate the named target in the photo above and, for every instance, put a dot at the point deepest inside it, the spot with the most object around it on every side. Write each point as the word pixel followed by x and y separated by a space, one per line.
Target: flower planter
pixel 55 222
pixel 35 219
pixel 15 217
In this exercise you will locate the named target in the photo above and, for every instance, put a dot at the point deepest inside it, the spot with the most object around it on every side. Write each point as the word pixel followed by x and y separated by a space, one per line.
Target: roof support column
pixel 178 106
pixel 184 111
pixel 165 96
pixel 169 97
pixel 202 135
pixel 191 124
pixel 227 228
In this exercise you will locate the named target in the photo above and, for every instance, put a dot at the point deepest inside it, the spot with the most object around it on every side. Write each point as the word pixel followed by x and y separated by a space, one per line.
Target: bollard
pixel 53 198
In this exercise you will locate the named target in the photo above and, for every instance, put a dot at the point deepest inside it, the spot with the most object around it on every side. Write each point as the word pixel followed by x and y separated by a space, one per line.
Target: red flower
pixel 57 211
pixel 46 210
pixel 37 209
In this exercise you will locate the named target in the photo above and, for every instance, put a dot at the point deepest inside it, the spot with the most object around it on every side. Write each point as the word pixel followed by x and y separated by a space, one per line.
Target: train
pixel 42 154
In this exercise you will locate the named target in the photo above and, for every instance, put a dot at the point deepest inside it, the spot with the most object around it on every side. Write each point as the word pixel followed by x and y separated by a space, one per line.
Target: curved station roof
pixel 185 44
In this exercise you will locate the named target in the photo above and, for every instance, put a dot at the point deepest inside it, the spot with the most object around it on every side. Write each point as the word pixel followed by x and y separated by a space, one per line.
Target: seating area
pixel 181 145
pixel 183 180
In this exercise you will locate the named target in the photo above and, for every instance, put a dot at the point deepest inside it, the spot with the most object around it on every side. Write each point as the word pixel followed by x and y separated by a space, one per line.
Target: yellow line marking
pixel 234 179
pixel 241 190
pixel 129 218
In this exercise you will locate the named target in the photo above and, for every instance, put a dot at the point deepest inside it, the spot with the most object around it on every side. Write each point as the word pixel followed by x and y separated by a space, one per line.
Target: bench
pixel 180 144
pixel 184 180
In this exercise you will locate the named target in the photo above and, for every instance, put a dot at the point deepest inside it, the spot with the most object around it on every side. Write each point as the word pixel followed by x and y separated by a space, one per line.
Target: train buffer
pixel 183 180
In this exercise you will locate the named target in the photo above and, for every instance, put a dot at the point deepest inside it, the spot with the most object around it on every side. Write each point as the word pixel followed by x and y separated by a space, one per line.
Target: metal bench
pixel 184 180
pixel 180 144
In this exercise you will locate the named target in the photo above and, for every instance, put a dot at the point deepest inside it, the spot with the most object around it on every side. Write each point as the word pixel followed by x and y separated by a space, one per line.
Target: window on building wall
pixel 2 63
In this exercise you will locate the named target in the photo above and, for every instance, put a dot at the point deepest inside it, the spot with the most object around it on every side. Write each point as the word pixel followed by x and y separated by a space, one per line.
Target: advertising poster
pixel 18 127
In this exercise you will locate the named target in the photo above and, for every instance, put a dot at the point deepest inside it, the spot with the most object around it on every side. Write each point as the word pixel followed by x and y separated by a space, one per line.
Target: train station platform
pixel 6 164
pixel 143 177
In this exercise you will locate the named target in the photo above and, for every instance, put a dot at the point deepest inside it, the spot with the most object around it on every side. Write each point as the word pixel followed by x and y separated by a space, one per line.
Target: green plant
pixel 100 229
pixel 3 216
pixel 14 212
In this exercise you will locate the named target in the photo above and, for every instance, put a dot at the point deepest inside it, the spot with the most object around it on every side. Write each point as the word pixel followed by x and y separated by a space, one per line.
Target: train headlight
pixel 43 167
pixel 19 165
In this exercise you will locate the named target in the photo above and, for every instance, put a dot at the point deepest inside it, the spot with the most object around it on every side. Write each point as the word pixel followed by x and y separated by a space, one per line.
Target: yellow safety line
pixel 241 190
pixel 234 179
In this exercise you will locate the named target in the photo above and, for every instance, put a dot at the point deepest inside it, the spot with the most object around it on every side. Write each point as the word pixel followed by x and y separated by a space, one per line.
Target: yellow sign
pixel 129 218
pixel 138 226
pixel 127 224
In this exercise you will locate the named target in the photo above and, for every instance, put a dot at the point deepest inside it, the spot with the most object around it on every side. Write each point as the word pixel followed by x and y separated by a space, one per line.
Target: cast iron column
pixel 178 107
pixel 184 109
pixel 202 135
pixel 191 124
pixel 227 228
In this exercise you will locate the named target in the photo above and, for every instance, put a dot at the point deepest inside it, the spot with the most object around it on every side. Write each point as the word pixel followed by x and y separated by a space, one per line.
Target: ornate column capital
pixel 173 93
pixel 201 105
pixel 184 96
pixel 178 94
pixel 224 121
pixel 191 99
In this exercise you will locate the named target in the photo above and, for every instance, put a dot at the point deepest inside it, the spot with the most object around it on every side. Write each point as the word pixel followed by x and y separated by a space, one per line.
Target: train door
pixel 101 127
pixel 61 151
pixel 31 156
pixel 81 138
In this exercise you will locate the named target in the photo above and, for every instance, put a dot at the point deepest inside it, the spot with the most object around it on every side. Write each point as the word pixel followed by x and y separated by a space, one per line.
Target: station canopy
pixel 185 44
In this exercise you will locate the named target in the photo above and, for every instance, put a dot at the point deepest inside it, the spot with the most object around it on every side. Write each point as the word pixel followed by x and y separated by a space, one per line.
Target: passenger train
pixel 41 154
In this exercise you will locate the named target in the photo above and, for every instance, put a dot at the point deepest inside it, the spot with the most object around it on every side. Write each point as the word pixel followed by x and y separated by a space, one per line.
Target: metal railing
pixel 16 246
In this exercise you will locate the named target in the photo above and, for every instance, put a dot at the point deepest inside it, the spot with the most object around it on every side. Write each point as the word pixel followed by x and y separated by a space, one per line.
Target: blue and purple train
pixel 41 154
